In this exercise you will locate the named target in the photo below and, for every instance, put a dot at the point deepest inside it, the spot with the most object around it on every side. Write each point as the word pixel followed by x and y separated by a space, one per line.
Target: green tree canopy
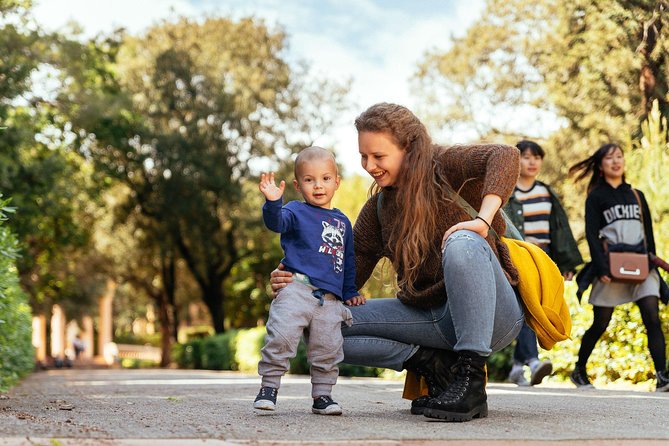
pixel 179 115
pixel 50 185
pixel 596 66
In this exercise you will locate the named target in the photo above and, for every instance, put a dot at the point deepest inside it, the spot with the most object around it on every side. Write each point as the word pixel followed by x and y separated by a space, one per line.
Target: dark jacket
pixel 600 204
pixel 563 248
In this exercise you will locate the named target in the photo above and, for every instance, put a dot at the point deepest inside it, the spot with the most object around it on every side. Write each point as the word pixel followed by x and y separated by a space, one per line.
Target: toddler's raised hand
pixel 268 187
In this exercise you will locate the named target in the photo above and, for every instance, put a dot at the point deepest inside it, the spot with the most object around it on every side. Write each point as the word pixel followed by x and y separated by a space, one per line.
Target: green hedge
pixel 240 350
pixel 621 356
pixel 17 357
pixel 133 339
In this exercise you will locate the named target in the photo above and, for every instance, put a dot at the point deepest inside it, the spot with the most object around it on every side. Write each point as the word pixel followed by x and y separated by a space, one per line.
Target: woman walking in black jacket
pixel 615 216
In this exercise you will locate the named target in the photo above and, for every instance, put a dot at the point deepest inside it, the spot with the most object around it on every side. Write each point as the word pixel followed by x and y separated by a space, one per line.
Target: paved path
pixel 174 407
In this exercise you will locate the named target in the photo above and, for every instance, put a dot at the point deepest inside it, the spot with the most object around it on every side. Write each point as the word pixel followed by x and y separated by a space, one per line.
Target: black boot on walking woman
pixel 465 397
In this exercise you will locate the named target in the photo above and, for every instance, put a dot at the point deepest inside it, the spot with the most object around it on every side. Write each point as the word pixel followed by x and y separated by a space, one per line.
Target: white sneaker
pixel 517 376
pixel 540 370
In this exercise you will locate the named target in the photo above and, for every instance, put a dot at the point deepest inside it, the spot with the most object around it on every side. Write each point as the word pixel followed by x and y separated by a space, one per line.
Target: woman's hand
pixel 481 223
pixel 568 275
pixel 355 301
pixel 605 279
pixel 279 279
pixel 477 225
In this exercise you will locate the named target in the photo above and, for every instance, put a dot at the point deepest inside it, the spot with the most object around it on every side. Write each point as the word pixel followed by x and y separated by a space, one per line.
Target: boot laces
pixel 460 384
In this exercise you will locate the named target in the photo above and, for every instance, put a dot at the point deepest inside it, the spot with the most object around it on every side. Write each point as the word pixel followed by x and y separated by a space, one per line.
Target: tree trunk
pixel 649 75
pixel 168 271
pixel 165 330
pixel 213 298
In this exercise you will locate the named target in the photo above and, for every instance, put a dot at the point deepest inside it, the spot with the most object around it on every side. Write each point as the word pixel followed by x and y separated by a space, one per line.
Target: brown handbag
pixel 630 267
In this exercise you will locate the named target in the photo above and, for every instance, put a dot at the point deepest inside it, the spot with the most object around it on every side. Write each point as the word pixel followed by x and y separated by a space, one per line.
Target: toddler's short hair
pixel 310 154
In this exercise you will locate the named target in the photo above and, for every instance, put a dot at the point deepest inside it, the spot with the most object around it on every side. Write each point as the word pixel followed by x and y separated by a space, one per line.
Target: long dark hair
pixel 593 166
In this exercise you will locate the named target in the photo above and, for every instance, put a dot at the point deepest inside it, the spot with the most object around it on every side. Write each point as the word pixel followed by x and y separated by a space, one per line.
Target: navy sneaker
pixel 579 377
pixel 266 399
pixel 324 405
pixel 662 381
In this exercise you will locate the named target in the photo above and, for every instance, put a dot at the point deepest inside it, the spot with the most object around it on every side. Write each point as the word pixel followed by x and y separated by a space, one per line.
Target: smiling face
pixel 380 156
pixel 317 181
pixel 613 165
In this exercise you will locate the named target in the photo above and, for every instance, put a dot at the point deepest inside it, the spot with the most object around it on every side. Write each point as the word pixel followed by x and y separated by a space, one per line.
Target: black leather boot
pixel 435 366
pixel 465 397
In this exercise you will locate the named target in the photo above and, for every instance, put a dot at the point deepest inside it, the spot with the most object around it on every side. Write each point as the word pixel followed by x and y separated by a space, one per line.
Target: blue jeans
pixel 482 313
pixel 526 346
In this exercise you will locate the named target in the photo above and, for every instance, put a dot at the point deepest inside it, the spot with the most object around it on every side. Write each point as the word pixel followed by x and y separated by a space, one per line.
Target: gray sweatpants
pixel 295 311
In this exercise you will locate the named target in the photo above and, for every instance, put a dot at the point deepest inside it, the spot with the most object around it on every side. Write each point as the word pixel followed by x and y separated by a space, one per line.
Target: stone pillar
pixel 39 337
pixel 57 332
pixel 193 313
pixel 150 320
pixel 139 327
pixel 182 335
pixel 105 326
pixel 87 337
pixel 71 331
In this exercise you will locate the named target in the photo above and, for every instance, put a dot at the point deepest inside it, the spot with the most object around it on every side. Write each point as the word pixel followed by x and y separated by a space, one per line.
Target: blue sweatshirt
pixel 316 242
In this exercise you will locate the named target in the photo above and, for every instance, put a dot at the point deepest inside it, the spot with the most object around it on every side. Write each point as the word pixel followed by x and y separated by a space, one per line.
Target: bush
pixel 499 363
pixel 188 334
pixel 218 351
pixel 129 363
pixel 17 356
pixel 247 353
pixel 621 355
pixel 133 339
pixel 240 350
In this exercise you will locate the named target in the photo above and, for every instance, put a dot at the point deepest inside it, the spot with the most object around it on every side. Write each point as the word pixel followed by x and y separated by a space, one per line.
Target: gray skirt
pixel 616 293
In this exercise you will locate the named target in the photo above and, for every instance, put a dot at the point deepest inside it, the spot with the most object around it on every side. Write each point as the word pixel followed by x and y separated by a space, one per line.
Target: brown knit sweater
pixel 473 171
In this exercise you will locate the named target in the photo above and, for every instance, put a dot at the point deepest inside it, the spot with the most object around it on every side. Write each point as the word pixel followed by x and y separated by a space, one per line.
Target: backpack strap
pixel 643 226
pixel 511 231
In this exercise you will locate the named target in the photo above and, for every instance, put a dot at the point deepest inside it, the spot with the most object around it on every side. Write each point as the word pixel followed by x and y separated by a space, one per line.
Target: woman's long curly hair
pixel 593 166
pixel 420 187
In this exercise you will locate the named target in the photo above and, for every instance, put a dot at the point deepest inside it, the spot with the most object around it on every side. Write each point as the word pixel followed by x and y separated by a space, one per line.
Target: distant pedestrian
pixel 537 213
pixel 614 213
pixel 317 241
pixel 79 346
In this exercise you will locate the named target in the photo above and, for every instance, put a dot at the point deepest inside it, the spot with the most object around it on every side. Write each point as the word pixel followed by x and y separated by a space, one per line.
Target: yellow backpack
pixel 541 288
